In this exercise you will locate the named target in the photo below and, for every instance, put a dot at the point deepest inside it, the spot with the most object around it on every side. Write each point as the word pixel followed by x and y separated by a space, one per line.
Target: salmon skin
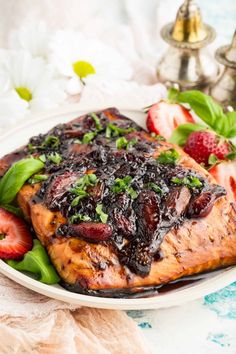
pixel 123 212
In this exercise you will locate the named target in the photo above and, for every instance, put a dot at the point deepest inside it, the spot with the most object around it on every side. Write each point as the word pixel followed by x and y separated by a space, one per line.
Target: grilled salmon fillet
pixel 124 211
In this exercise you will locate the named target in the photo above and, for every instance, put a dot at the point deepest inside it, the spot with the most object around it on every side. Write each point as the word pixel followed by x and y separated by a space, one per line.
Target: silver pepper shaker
pixel 224 90
pixel 186 62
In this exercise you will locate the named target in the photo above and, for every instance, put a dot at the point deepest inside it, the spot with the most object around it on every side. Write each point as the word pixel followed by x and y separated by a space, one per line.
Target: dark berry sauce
pixel 135 199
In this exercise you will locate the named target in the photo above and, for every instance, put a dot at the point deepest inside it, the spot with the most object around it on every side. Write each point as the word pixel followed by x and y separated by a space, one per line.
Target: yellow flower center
pixel 83 68
pixel 24 93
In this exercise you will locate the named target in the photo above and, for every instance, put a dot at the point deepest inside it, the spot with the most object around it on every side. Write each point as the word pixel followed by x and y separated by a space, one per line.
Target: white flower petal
pixel 32 37
pixel 74 86
pixel 127 94
pixel 12 108
pixel 5 83
pixel 41 104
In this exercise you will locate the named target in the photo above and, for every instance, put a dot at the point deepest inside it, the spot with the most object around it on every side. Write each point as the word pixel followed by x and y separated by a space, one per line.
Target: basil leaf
pixel 16 176
pixel 210 112
pixel 172 95
pixel 100 212
pixel 204 106
pixel 37 262
pixel 182 132
pixel 231 119
pixel 168 157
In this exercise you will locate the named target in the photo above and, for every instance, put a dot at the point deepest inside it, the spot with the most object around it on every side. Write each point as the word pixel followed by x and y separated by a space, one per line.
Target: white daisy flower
pixel 33 38
pixel 31 78
pixel 82 59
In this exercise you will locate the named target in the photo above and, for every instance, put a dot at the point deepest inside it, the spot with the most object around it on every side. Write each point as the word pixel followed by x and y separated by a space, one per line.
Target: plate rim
pixel 182 295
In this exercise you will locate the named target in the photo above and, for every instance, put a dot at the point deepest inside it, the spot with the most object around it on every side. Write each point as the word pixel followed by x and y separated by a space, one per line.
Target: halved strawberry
pixel 225 175
pixel 15 237
pixel 164 117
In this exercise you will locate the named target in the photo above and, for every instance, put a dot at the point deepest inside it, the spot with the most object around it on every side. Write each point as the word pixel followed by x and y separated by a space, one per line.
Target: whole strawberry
pixel 201 144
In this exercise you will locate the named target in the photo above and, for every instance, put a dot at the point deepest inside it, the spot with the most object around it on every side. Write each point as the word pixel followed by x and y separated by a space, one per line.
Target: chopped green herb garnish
pixel 108 132
pixel 79 217
pixel 123 185
pixel 77 141
pixel 114 130
pixel 100 212
pixel 87 180
pixel 212 160
pixel 123 143
pixel 132 142
pixel 190 181
pixel 81 186
pixel 80 195
pixel 31 147
pixel 88 137
pixel 158 137
pixel 42 158
pixel 168 157
pixel 92 178
pixel 52 141
pixel 97 122
pixel 155 187
pixel 55 158
pixel 37 178
pixel 132 192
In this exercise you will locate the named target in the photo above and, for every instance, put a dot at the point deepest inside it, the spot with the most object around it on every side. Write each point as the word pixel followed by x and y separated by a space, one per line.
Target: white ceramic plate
pixel 214 281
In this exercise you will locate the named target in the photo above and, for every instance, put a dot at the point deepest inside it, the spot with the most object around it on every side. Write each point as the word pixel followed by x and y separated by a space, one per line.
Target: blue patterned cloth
pixel 208 325
pixel 205 326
